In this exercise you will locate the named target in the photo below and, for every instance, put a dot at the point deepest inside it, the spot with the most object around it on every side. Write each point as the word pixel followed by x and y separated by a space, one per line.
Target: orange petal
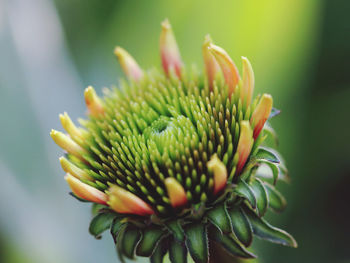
pixel 227 66
pixel 176 192
pixel 211 65
pixel 85 191
pixel 93 102
pixel 248 82
pixel 129 65
pixel 245 144
pixel 261 114
pixel 67 143
pixel 220 173
pixel 125 202
pixel 169 51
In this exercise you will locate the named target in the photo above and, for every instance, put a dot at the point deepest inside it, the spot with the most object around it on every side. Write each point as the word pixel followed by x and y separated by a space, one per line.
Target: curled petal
pixel 70 168
pixel 129 65
pixel 211 65
pixel 261 114
pixel 220 173
pixel 169 51
pixel 245 144
pixel 67 143
pixel 93 102
pixel 85 191
pixel 176 192
pixel 125 202
pixel 248 82
pixel 227 66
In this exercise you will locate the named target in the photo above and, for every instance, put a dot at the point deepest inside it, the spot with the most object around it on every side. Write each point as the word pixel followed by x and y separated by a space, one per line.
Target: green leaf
pixel 243 190
pixel 96 208
pixel 261 196
pixel 159 252
pixel 231 245
pixel 197 242
pixel 241 226
pixel 117 225
pixel 276 200
pixel 220 218
pixel 267 154
pixel 151 236
pixel 129 242
pixel 101 223
pixel 274 169
pixel 176 229
pixel 267 232
pixel 118 241
pixel 177 252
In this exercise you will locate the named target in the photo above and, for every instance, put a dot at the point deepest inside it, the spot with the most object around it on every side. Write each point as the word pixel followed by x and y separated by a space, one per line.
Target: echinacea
pixel 176 162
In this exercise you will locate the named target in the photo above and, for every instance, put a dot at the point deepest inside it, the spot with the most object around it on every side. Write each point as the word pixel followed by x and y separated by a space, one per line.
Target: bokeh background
pixel 51 50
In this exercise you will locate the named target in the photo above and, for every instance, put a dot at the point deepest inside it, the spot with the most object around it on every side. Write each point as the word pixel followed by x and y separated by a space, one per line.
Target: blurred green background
pixel 51 50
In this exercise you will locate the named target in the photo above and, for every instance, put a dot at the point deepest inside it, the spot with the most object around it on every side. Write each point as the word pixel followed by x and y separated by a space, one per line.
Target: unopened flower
pixel 171 160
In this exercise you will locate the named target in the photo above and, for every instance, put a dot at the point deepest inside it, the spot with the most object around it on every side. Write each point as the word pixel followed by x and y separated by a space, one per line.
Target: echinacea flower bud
pixel 247 83
pixel 129 65
pixel 245 144
pixel 85 191
pixel 169 51
pixel 211 65
pixel 227 66
pixel 220 173
pixel 261 114
pixel 67 143
pixel 125 202
pixel 72 169
pixel 93 102
pixel 176 192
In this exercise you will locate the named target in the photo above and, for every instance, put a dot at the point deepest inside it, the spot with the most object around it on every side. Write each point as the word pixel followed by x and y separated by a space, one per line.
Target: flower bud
pixel 169 51
pixel 125 202
pixel 220 173
pixel 176 192
pixel 211 65
pixel 93 102
pixel 227 66
pixel 248 82
pixel 67 143
pixel 85 191
pixel 261 114
pixel 245 144
pixel 129 65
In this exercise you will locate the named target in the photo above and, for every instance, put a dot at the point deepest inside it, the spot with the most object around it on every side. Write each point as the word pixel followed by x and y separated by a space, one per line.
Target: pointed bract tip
pixel 245 144
pixel 125 202
pixel 66 143
pixel 129 65
pixel 85 191
pixel 169 51
pixel 176 192
pixel 93 102
pixel 261 114
pixel 248 82
pixel 72 169
pixel 211 65
pixel 220 173
pixel 227 66
pixel 69 126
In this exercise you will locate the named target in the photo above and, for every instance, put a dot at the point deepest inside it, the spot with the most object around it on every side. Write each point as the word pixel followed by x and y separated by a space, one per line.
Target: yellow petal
pixel 245 144
pixel 93 102
pixel 176 192
pixel 125 202
pixel 248 82
pixel 169 51
pixel 74 132
pixel 67 143
pixel 85 191
pixel 220 173
pixel 70 168
pixel 129 65
pixel 261 114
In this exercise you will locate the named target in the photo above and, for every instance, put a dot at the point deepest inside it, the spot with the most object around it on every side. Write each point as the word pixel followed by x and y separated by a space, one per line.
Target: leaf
pixel 129 242
pixel 197 242
pixel 274 112
pixel 241 226
pixel 150 238
pixel 276 200
pixel 177 252
pixel 243 190
pixel 117 225
pixel 119 239
pixel 267 154
pixel 231 245
pixel 175 228
pixel 261 196
pixel 159 252
pixel 101 223
pixel 267 232
pixel 274 169
pixel 220 218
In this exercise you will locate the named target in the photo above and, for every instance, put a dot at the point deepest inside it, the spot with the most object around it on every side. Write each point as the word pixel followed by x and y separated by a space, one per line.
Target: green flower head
pixel 177 162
